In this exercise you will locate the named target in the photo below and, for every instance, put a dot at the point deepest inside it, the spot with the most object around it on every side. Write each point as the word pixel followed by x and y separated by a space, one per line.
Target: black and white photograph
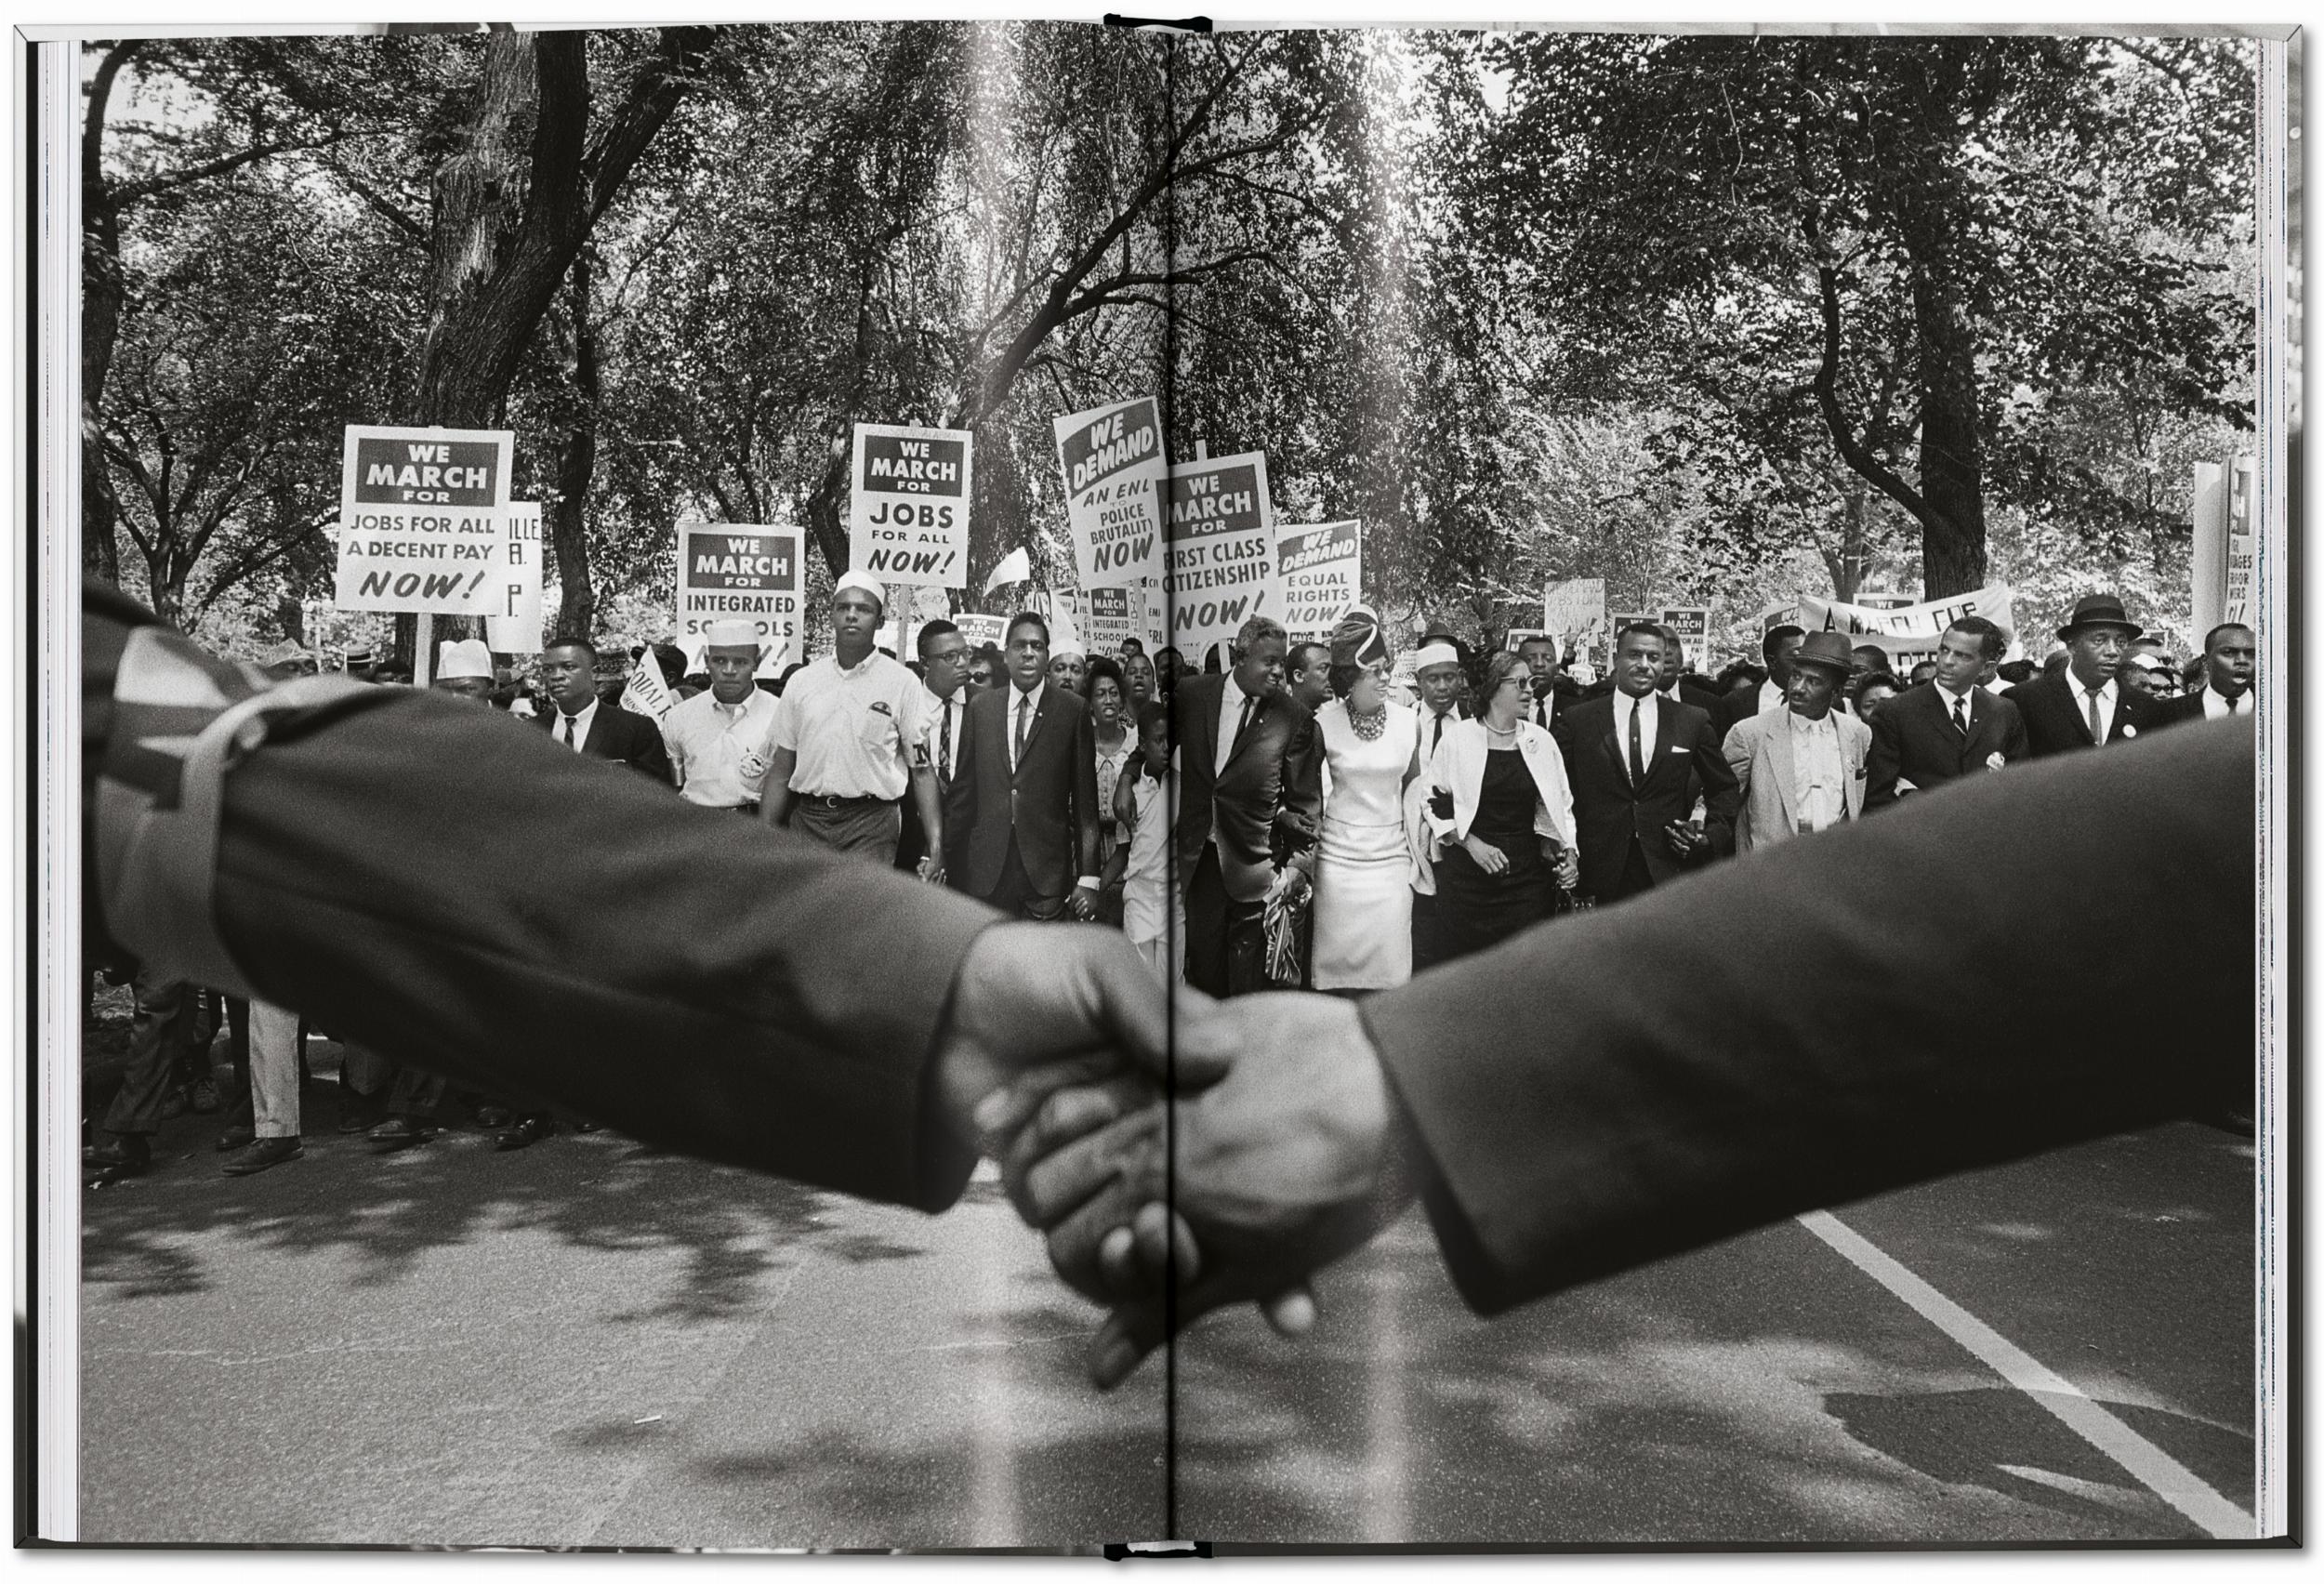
pixel 1026 785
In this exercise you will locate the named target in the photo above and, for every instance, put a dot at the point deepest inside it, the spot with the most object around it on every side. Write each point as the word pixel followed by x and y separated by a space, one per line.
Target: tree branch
pixel 1827 400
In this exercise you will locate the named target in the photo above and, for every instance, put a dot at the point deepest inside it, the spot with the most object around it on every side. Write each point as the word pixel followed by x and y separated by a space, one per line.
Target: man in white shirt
pixel 944 662
pixel 1776 647
pixel 721 742
pixel 850 739
pixel 2084 705
pixel 2230 664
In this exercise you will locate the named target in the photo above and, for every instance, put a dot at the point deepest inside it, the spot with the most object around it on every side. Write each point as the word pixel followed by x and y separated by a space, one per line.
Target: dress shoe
pixel 204 1095
pixel 489 1116
pixel 399 1133
pixel 528 1130
pixel 120 1155
pixel 236 1137
pixel 176 1104
pixel 582 1124
pixel 360 1112
pixel 264 1152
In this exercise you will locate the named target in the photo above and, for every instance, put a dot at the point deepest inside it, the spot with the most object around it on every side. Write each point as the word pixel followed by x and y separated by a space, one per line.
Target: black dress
pixel 1474 909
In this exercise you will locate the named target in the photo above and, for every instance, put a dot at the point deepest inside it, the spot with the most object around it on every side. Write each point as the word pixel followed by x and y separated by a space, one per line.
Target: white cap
pixel 864 581
pixel 731 634
pixel 1436 654
pixel 458 657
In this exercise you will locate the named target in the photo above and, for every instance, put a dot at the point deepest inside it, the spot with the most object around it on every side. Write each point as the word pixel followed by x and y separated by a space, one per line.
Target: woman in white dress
pixel 1363 867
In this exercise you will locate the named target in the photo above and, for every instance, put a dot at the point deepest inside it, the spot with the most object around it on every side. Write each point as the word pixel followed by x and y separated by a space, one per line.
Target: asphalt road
pixel 593 1344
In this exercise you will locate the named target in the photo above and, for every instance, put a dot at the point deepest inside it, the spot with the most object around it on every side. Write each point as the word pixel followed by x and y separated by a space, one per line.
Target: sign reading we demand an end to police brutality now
pixel 1113 471
pixel 421 521
pixel 908 505
pixel 1220 550
pixel 740 572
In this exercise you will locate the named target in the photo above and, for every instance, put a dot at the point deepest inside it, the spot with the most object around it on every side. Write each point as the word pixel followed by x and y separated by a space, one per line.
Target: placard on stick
pixel 908 505
pixel 1318 569
pixel 1219 550
pixel 420 521
pixel 740 571
pixel 1113 469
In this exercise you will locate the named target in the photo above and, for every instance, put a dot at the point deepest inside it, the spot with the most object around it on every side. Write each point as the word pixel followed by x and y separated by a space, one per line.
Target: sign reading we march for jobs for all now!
pixel 1113 466
pixel 908 505
pixel 740 572
pixel 421 521
pixel 1221 550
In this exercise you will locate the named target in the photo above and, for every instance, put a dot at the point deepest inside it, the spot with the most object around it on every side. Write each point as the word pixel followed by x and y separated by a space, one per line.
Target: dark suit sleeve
pixel 1953 1021
pixel 1085 796
pixel 1302 817
pixel 1722 794
pixel 960 799
pixel 1885 764
pixel 2014 743
pixel 704 983
pixel 652 755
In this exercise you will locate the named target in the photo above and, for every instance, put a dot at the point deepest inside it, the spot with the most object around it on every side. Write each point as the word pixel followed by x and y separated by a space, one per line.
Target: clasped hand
pixel 1286 1152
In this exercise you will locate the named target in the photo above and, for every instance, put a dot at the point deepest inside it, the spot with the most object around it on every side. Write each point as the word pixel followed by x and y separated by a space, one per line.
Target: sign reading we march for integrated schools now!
pixel 908 505
pixel 421 521
pixel 1219 550
pixel 740 572
pixel 1318 568
pixel 1113 469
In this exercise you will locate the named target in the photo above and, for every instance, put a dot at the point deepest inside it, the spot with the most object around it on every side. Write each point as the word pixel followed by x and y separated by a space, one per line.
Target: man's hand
pixel 1685 839
pixel 1083 903
pixel 931 869
pixel 1286 1161
pixel 1032 995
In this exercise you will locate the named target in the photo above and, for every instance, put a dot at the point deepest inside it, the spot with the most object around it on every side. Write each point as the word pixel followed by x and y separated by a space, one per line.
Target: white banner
pixel 420 523
pixel 908 505
pixel 1220 552
pixel 515 628
pixel 740 571
pixel 1113 466
pixel 646 691
pixel 1318 570
pixel 1908 629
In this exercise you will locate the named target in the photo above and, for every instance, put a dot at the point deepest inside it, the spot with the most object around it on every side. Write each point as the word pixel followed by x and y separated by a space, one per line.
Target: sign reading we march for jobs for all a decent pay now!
pixel 420 521
pixel 1113 471
pixel 908 505
pixel 740 572
pixel 1220 550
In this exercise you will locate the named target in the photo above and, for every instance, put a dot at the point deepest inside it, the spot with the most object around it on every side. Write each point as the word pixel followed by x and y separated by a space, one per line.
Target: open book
pixel 1515 725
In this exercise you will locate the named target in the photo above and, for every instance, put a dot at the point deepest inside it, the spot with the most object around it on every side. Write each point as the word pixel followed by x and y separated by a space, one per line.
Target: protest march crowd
pixel 1298 814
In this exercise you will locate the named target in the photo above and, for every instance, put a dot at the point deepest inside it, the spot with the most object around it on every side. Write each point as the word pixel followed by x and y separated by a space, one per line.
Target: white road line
pixel 2147 1463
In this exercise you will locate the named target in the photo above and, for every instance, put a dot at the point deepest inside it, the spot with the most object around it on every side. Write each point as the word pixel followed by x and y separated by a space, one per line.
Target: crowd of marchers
pixel 1326 814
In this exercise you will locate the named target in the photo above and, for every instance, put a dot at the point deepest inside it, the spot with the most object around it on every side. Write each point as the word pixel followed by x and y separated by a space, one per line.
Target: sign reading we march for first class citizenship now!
pixel 1113 466
pixel 1220 550
pixel 908 505
pixel 740 572
pixel 420 521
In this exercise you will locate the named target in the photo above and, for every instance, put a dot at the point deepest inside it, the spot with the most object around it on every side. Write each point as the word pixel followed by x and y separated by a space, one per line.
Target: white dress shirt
pixel 581 723
pixel 2217 706
pixel 1024 709
pixel 1818 770
pixel 1771 693
pixel 1624 707
pixel 1967 705
pixel 723 750
pixel 936 710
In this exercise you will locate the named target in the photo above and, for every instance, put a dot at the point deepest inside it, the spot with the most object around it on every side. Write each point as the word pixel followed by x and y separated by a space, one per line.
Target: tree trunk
pixel 101 295
pixel 576 465
pixel 1847 565
pixel 1952 532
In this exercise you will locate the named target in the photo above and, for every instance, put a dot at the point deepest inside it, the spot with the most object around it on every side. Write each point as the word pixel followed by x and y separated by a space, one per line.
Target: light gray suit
pixel 1759 751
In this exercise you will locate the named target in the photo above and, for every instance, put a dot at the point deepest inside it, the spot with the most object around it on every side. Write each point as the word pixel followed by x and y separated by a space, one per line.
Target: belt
pixel 830 800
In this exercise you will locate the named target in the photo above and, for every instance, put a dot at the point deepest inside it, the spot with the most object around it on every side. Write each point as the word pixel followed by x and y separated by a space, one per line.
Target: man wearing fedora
pixel 1801 762
pixel 1947 727
pixel 2084 705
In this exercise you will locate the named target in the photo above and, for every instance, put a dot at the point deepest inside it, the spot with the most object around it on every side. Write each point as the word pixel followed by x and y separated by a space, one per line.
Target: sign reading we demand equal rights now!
pixel 421 521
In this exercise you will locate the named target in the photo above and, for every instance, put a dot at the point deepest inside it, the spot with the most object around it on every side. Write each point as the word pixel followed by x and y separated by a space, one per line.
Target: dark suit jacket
pixel 1913 740
pixel 1049 803
pixel 1738 704
pixel 455 891
pixel 1687 763
pixel 1271 795
pixel 2054 722
pixel 621 735
pixel 2186 706
pixel 1618 1087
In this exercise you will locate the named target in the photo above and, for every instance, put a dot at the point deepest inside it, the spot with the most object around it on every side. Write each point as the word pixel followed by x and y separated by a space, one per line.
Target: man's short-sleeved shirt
pixel 722 750
pixel 849 729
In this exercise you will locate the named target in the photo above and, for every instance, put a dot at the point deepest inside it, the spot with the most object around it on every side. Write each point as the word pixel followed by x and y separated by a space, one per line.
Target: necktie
pixel 1437 735
pixel 1025 723
pixel 1542 713
pixel 568 731
pixel 1637 754
pixel 1960 717
pixel 943 745
pixel 1251 704
pixel 2097 733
